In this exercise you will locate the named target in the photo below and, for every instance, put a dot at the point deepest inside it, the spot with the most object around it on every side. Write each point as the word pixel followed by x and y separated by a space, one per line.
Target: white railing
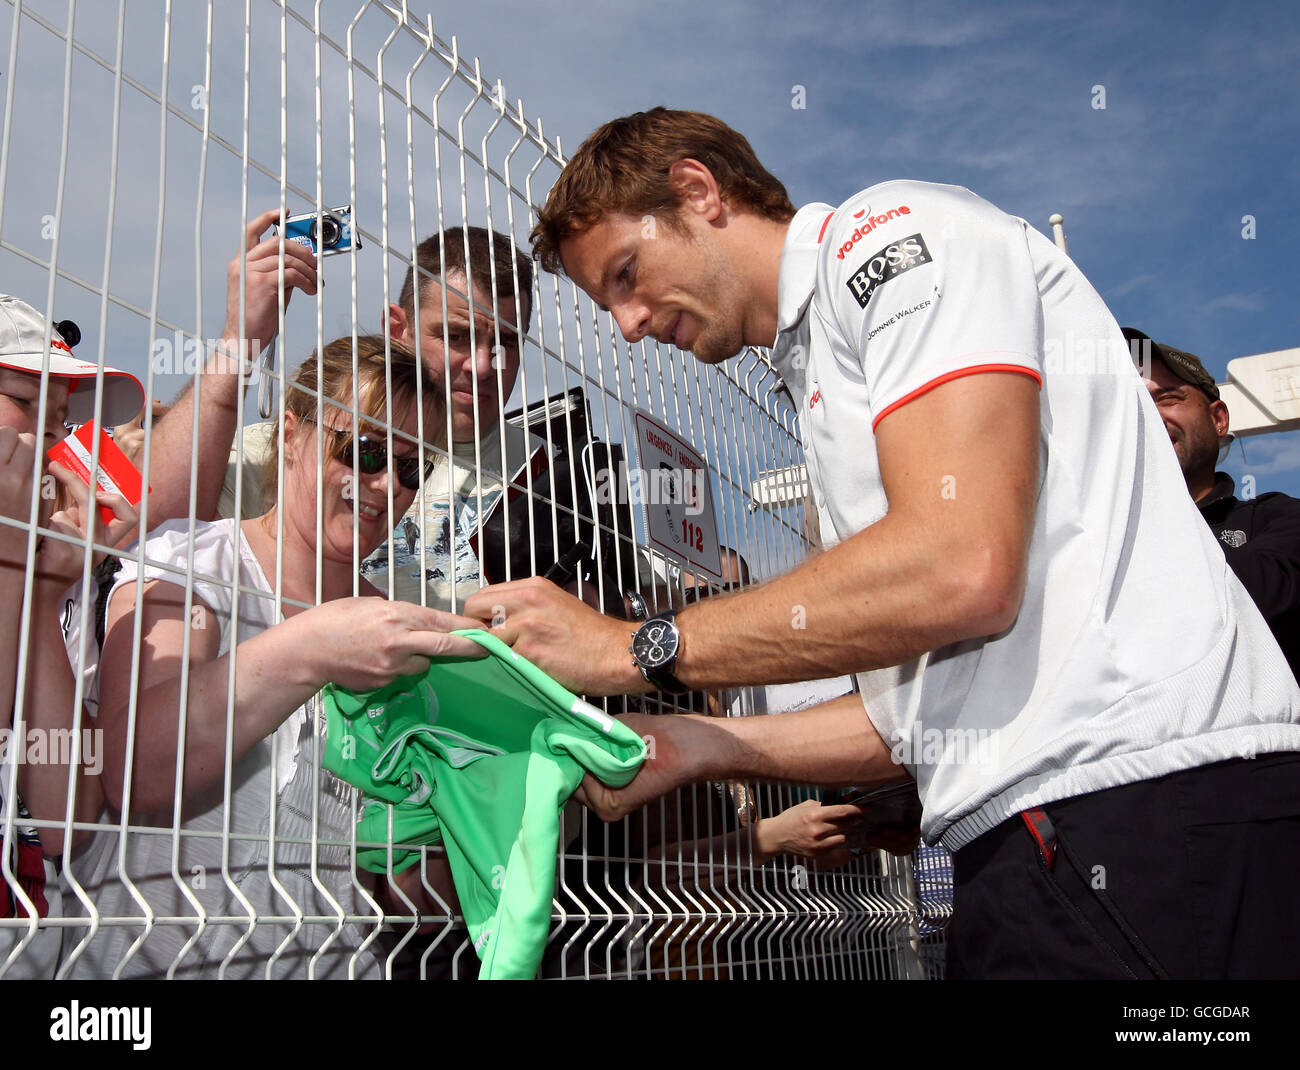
pixel 137 143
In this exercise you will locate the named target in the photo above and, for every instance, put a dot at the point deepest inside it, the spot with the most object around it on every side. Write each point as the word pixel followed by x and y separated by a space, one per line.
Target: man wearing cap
pixel 42 385
pixel 1261 535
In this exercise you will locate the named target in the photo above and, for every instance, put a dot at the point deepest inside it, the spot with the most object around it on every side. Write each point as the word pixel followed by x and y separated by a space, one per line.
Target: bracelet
pixel 637 604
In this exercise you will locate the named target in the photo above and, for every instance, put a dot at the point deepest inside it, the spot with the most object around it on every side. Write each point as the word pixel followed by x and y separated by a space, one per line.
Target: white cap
pixel 22 347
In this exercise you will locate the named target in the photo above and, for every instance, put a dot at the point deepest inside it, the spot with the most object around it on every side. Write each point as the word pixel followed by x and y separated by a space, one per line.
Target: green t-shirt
pixel 481 756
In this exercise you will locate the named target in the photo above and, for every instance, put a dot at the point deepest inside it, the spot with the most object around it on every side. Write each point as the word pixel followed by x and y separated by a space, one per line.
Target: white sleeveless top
pixel 274 790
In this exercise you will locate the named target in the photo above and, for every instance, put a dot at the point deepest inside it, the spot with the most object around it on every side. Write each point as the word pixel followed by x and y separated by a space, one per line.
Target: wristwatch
pixel 654 650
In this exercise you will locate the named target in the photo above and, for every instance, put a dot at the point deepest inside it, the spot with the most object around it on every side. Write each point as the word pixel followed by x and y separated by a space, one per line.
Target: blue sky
pixel 1200 127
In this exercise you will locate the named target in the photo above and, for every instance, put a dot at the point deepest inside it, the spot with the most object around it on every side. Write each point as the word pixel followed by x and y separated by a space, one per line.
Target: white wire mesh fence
pixel 186 800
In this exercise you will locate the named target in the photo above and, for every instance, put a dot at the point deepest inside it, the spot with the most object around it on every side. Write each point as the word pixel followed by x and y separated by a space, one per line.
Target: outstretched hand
pixel 367 642
pixel 810 830
pixel 583 649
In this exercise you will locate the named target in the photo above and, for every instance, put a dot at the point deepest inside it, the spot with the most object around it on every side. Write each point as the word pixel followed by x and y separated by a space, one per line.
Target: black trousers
pixel 1193 875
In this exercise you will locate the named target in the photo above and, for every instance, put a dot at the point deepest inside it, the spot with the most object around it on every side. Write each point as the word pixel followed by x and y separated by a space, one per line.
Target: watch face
pixel 655 644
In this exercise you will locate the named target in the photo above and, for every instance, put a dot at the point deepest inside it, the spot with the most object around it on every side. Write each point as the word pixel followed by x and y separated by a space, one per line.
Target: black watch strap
pixel 664 681
pixel 661 678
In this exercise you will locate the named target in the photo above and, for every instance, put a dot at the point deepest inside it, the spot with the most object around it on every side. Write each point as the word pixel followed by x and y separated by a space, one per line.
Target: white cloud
pixel 1235 303
pixel 1266 455
pixel 1127 287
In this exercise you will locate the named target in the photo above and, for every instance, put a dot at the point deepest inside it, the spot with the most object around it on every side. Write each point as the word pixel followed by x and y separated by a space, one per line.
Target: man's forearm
pixel 939 568
pixel 175 455
pixel 831 744
pixel 947 562
pixel 873 601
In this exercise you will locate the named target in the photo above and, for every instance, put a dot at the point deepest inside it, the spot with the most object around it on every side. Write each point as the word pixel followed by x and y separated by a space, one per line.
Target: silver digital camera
pixel 331 234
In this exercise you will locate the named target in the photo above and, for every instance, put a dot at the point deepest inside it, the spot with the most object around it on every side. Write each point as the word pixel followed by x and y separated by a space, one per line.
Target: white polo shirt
pixel 1136 652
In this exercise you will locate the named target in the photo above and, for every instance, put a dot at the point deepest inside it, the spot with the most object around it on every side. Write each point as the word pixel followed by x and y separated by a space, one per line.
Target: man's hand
pixel 584 650
pixel 680 749
pixel 262 296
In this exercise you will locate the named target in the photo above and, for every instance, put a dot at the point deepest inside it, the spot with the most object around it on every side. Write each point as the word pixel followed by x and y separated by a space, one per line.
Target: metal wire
pixel 668 893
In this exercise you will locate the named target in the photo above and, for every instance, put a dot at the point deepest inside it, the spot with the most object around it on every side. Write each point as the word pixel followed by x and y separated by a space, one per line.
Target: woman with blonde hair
pixel 247 866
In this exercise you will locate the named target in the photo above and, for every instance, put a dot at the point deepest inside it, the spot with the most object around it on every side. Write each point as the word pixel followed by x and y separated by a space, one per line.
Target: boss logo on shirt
pixel 889 263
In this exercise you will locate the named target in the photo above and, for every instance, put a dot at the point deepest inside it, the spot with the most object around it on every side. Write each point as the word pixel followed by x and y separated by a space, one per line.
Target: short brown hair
pixel 309 386
pixel 623 167
pixel 490 253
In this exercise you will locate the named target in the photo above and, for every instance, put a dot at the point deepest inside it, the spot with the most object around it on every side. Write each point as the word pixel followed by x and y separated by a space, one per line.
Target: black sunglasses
pixel 372 457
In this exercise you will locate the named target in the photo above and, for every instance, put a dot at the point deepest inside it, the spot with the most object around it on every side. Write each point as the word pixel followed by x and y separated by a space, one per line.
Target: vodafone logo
pixel 889 263
pixel 867 224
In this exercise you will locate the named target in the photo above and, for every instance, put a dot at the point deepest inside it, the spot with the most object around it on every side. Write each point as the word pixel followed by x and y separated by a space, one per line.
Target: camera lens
pixel 330 232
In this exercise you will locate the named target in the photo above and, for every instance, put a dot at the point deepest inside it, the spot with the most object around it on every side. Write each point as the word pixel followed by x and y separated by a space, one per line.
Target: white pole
pixel 1058 231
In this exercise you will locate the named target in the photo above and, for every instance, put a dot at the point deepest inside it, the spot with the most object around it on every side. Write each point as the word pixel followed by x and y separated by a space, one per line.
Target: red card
pixel 116 475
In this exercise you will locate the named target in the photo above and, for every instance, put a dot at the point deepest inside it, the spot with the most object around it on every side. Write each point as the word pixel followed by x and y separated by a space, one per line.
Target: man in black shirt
pixel 1261 535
